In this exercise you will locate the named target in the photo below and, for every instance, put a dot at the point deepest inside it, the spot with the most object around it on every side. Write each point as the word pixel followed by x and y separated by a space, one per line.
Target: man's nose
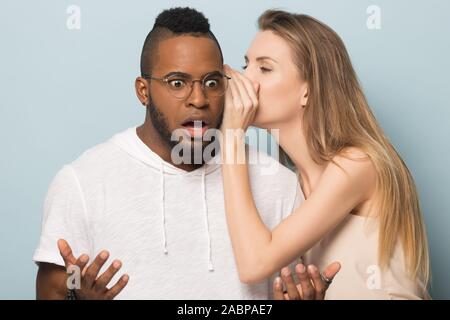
pixel 197 98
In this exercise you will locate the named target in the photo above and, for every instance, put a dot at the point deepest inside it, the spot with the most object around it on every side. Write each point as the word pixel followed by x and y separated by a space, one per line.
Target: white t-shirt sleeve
pixel 64 217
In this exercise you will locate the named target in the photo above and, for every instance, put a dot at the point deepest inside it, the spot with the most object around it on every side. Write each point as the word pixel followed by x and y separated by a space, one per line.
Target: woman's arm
pixel 260 252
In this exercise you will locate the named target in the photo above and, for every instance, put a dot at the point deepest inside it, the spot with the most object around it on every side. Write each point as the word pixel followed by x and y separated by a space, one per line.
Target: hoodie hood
pixel 130 142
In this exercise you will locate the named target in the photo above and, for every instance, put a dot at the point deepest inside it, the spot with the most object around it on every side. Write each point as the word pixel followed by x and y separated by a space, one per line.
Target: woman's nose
pixel 247 73
pixel 250 75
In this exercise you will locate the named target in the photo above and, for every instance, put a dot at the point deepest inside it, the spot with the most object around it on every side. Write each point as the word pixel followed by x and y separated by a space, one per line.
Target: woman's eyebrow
pixel 261 58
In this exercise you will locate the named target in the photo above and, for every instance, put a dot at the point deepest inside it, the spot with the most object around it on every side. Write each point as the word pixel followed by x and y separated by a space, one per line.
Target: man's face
pixel 196 57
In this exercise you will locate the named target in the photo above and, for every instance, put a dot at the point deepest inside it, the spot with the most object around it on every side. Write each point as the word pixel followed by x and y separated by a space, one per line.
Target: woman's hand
pixel 241 101
pixel 312 285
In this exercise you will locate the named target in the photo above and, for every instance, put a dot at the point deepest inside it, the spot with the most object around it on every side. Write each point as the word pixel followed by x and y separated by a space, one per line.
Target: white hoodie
pixel 166 225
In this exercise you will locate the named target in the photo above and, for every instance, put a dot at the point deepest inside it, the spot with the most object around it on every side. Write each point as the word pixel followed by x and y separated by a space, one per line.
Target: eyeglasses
pixel 180 85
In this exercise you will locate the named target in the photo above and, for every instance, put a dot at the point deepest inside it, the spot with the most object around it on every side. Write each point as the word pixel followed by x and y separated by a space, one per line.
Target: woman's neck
pixel 292 141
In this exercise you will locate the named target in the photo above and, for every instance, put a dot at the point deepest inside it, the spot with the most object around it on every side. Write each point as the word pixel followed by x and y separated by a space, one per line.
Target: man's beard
pixel 159 122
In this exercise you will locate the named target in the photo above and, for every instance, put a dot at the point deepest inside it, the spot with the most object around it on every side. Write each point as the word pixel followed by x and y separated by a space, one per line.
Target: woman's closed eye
pixel 263 69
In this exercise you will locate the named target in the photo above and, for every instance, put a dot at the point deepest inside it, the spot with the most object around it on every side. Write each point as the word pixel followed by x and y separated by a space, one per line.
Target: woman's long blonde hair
pixel 337 116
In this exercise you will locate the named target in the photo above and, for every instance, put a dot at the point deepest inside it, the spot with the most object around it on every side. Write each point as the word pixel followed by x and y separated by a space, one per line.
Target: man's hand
pixel 312 285
pixel 93 287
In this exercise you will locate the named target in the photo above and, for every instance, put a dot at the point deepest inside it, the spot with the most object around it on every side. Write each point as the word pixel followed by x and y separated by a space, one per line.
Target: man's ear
pixel 141 87
pixel 304 95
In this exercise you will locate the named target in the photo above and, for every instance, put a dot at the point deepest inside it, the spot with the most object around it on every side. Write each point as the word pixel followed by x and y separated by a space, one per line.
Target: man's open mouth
pixel 195 128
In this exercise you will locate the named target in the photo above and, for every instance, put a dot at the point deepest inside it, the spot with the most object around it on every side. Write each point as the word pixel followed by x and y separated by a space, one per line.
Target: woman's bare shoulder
pixel 349 172
pixel 357 166
pixel 354 159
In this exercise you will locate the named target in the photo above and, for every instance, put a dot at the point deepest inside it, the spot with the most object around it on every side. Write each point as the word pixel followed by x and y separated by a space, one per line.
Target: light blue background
pixel 63 91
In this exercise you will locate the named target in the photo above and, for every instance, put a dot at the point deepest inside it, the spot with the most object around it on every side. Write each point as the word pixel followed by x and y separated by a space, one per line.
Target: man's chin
pixel 195 151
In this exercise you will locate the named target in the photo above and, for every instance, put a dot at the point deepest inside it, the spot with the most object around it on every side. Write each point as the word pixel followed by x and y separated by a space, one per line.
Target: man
pixel 164 221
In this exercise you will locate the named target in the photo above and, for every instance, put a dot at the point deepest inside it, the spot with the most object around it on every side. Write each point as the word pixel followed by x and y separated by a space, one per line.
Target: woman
pixel 361 206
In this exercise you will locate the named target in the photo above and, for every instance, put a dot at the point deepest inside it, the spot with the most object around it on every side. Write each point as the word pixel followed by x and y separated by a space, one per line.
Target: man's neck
pixel 150 136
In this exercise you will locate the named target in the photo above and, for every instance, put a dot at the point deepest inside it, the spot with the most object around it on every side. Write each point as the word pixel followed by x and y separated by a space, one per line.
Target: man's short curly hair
pixel 170 23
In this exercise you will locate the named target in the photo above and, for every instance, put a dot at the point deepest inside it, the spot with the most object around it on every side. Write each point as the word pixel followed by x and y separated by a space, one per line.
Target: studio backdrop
pixel 67 71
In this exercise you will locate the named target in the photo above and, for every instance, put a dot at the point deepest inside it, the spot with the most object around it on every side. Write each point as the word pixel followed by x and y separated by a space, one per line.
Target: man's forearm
pixel 51 282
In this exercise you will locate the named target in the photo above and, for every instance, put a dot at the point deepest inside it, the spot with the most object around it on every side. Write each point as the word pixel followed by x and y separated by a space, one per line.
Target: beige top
pixel 354 243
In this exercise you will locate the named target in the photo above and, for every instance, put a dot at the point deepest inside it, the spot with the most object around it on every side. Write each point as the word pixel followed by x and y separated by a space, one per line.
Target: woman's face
pixel 281 91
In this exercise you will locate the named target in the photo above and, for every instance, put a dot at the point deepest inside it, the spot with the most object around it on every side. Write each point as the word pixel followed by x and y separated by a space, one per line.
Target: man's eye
pixel 211 83
pixel 244 67
pixel 177 83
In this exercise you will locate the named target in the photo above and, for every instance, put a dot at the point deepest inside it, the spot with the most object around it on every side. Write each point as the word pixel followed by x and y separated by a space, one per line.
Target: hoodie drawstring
pixel 163 209
pixel 205 211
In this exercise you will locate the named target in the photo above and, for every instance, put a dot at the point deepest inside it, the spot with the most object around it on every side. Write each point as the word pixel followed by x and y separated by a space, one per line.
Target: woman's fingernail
pixel 117 264
pixel 104 255
pixel 84 258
